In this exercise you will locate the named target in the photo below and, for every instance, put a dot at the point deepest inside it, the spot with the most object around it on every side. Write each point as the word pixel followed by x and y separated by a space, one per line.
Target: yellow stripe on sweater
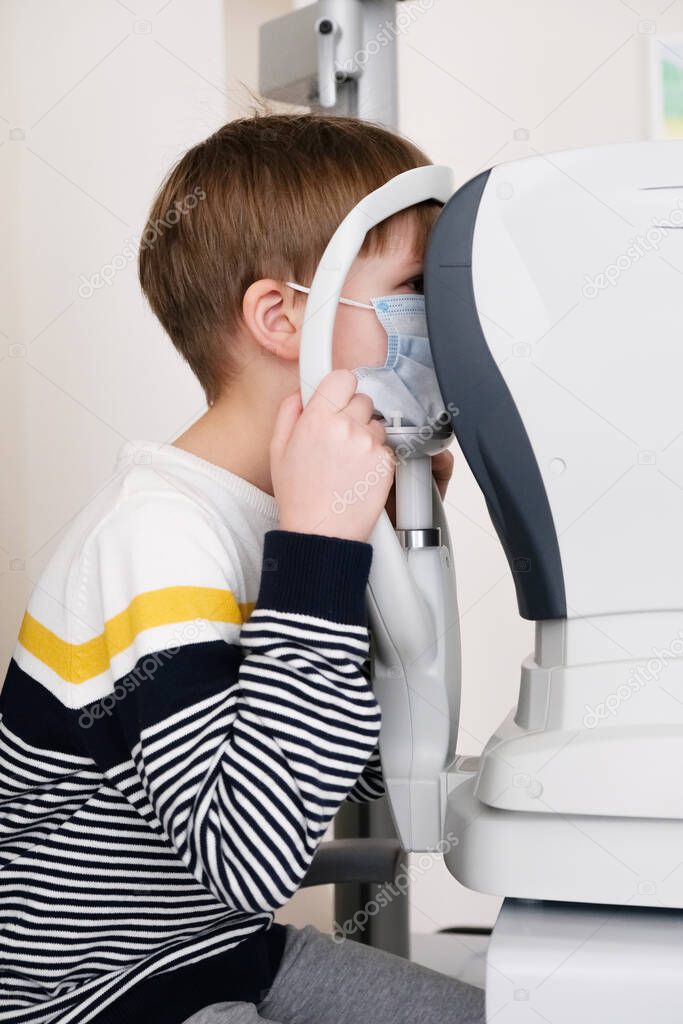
pixel 76 663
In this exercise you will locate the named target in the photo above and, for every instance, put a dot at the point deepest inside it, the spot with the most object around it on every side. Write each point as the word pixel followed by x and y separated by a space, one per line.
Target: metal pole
pixel 339 56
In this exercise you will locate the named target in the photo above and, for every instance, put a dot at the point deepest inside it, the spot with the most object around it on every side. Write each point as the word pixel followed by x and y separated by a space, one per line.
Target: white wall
pixel 97 99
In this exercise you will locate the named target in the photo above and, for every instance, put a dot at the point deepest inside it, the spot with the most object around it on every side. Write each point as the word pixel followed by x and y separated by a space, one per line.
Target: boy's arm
pixel 370 785
pixel 241 743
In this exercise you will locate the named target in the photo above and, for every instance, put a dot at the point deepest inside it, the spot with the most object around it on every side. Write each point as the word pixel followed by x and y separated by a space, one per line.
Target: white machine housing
pixel 555 305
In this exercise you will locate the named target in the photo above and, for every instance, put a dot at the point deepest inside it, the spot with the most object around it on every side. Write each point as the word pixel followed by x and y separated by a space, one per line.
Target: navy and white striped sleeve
pixel 370 784
pixel 243 744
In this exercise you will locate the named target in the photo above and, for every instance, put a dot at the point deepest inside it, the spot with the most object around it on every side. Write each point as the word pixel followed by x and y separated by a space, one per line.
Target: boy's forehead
pixel 403 239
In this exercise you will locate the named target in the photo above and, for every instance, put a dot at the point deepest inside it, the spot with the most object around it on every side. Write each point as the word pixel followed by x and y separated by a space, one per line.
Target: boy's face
pixel 273 313
pixel 359 338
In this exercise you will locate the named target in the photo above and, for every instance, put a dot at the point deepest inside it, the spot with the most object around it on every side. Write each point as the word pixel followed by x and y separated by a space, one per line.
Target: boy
pixel 188 704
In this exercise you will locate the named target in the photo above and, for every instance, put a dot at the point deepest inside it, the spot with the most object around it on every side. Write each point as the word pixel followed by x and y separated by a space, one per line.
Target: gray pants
pixel 321 981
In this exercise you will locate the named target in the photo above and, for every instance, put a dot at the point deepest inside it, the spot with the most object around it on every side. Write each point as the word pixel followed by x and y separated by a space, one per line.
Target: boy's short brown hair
pixel 261 197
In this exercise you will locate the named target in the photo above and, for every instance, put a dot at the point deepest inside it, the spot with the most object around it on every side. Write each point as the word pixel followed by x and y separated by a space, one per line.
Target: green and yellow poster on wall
pixel 666 59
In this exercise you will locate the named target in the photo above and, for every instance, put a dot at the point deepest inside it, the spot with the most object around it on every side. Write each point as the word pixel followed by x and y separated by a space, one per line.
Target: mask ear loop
pixel 347 302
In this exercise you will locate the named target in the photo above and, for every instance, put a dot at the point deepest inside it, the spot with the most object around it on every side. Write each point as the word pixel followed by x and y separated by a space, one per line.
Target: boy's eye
pixel 417 284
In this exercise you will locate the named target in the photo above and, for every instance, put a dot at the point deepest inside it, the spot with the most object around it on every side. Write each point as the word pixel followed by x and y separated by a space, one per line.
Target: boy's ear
pixel 272 317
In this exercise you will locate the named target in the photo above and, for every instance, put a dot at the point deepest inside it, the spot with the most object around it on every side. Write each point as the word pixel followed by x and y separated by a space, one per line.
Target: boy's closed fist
pixel 330 468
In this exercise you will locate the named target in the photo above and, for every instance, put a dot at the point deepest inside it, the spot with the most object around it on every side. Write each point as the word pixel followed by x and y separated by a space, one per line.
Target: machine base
pixel 630 862
pixel 566 963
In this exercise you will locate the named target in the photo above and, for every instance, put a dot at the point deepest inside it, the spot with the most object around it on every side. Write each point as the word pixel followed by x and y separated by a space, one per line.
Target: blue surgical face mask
pixel 405 385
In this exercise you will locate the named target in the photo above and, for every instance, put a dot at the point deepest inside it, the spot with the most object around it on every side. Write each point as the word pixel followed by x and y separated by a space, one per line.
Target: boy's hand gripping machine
pixel 554 294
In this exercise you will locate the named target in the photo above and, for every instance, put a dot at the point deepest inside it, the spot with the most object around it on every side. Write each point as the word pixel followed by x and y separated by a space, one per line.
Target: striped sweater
pixel 187 706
